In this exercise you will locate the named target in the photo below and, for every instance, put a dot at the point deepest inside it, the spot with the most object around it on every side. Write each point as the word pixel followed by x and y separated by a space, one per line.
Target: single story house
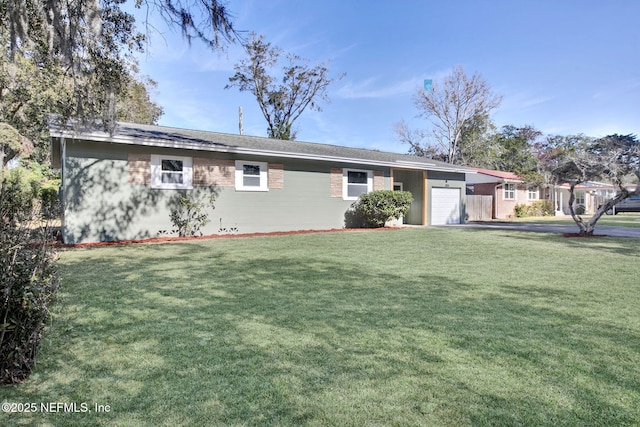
pixel 588 196
pixel 124 185
pixel 506 190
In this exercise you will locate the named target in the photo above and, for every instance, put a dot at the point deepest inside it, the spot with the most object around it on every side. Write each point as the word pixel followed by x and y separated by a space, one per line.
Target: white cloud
pixel 524 100
pixel 216 61
pixel 618 89
pixel 370 88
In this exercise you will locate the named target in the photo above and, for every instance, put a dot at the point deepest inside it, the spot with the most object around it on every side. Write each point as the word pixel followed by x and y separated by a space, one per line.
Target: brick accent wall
pixel 336 182
pixel 487 189
pixel 378 180
pixel 276 175
pixel 210 172
pixel 139 166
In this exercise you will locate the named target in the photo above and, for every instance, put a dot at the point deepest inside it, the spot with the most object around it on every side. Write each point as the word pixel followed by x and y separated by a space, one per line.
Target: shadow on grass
pixel 607 244
pixel 191 336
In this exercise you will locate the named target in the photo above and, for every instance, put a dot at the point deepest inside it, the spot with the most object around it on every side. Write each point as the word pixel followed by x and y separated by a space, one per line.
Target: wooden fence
pixel 479 208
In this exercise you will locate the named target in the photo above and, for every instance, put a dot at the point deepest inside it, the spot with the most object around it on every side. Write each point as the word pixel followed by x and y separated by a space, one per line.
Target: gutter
pixel 495 197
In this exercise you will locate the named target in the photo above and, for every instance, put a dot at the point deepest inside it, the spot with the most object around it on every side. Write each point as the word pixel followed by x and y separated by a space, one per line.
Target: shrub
pixel 189 216
pixel 521 211
pixel 28 274
pixel 374 209
pixel 537 208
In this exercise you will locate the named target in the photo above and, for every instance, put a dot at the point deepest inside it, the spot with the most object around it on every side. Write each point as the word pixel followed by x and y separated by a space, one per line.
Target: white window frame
pixel 345 182
pixel 509 187
pixel 156 173
pixel 264 176
pixel 533 193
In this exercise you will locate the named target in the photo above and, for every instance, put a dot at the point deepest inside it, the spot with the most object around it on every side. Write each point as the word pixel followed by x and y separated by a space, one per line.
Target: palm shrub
pixel 375 209
pixel 28 274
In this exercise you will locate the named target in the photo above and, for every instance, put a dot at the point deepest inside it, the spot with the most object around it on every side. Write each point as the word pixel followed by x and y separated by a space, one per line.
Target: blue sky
pixel 562 66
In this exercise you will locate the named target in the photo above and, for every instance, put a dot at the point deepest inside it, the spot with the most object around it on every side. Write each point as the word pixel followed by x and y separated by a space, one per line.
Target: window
pixel 356 182
pixel 509 192
pixel 251 176
pixel 170 172
pixel 533 194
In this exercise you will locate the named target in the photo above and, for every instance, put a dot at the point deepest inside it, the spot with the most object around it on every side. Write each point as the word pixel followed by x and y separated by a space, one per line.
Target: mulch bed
pixel 220 236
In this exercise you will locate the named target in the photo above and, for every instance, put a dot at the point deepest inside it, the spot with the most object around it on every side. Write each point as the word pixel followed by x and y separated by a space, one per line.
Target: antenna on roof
pixel 240 120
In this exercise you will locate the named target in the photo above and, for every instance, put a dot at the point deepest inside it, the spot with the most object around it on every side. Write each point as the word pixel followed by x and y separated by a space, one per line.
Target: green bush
pixel 521 211
pixel 374 209
pixel 28 274
pixel 537 208
pixel 189 215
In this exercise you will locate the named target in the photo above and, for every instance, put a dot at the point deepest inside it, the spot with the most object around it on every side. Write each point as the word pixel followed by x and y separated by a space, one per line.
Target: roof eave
pixel 149 142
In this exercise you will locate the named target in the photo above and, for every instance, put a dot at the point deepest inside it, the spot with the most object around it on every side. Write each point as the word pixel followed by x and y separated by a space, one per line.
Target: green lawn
pixel 625 219
pixel 429 327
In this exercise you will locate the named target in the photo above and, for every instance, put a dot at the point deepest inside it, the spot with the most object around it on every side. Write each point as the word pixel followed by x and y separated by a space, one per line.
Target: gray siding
pixel 102 205
pixel 412 181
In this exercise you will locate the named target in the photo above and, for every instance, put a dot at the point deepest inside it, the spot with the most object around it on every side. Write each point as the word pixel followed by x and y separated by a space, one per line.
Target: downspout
pixel 61 191
pixel 495 198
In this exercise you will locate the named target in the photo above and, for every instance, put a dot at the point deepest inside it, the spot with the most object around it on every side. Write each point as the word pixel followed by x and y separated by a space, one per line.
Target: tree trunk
pixel 584 229
pixel 587 228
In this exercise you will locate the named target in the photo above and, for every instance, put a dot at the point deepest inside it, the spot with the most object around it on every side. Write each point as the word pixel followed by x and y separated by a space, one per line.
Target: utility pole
pixel 240 120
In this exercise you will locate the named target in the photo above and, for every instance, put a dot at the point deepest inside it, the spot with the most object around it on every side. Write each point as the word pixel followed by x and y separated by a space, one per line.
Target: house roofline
pixel 213 147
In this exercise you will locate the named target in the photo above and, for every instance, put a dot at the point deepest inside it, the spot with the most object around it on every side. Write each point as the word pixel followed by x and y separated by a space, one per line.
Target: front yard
pixel 621 220
pixel 404 327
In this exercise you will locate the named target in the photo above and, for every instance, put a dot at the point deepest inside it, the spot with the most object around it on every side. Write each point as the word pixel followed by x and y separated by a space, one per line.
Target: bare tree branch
pixel 452 104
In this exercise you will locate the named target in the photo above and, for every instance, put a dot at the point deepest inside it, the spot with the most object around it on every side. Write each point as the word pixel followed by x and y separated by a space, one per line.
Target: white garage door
pixel 445 206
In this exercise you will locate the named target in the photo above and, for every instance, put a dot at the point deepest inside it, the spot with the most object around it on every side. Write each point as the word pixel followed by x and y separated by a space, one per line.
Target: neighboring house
pixel 506 190
pixel 588 196
pixel 123 186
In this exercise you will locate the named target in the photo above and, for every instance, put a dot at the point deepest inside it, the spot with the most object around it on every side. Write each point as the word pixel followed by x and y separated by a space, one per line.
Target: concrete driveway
pixel 553 228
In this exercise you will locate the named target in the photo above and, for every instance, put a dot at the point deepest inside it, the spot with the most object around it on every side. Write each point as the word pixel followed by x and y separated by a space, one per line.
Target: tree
pixel 476 147
pixel 77 26
pixel 90 44
pixel 578 159
pixel 31 89
pixel 454 106
pixel 206 20
pixel 135 104
pixel 11 144
pixel 93 42
pixel 415 139
pixel 300 86
pixel 514 153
